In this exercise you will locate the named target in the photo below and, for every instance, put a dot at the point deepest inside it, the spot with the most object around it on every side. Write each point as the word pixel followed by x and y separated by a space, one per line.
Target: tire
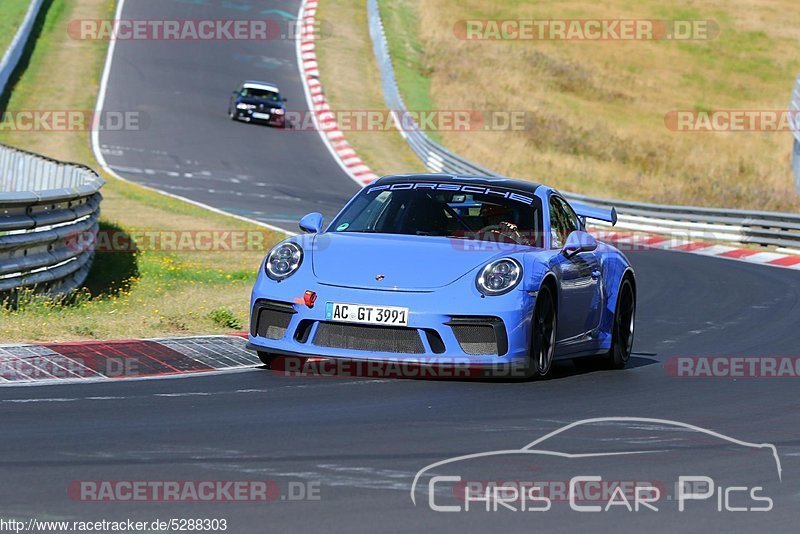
pixel 622 328
pixel 543 335
pixel 266 358
pixel 231 115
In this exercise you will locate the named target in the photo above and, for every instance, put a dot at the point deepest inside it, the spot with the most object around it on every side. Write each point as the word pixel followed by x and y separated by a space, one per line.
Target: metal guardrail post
pixel 795 111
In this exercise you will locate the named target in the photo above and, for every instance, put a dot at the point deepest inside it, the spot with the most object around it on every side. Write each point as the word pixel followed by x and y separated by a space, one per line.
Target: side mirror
pixel 578 242
pixel 311 223
pixel 284 99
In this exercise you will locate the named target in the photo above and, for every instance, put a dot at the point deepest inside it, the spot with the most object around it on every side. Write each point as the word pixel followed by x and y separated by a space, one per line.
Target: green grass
pixel 412 68
pixel 12 13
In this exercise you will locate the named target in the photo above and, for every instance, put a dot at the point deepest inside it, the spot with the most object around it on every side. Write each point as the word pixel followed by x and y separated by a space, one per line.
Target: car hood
pixel 410 263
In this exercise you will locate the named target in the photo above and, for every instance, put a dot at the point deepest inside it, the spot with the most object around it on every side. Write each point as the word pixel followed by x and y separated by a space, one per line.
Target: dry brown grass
pixel 596 110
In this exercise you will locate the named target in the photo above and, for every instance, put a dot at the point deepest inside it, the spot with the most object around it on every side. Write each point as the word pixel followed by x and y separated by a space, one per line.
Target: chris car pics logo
pixel 605 480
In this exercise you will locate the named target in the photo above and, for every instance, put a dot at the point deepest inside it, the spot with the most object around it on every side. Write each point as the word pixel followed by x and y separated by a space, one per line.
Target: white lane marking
pixel 199 393
pixel 26 401
pixel 101 159
pixel 189 394
pixel 331 475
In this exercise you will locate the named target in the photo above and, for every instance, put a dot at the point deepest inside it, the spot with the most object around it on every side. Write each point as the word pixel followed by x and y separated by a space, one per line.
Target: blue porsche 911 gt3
pixel 445 269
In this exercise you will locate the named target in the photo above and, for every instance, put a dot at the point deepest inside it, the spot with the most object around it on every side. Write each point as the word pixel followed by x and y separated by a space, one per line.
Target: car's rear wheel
pixel 543 338
pixel 623 326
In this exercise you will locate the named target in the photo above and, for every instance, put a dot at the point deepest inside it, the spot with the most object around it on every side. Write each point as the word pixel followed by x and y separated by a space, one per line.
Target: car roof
pixel 252 84
pixel 507 183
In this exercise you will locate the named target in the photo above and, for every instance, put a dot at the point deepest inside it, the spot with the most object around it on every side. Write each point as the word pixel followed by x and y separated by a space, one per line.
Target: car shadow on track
pixel 313 367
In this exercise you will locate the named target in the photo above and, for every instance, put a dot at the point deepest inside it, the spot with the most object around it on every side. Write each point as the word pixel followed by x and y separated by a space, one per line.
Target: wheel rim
pixel 545 334
pixel 625 321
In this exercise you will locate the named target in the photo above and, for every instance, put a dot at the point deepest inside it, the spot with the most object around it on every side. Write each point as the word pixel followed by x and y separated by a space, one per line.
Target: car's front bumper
pixel 272 120
pixel 441 328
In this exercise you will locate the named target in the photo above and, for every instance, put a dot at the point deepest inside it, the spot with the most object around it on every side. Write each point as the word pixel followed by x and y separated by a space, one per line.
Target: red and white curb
pixel 627 241
pixel 127 359
pixel 324 118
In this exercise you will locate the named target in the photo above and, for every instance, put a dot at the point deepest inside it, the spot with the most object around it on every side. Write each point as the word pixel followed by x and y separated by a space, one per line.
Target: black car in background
pixel 258 102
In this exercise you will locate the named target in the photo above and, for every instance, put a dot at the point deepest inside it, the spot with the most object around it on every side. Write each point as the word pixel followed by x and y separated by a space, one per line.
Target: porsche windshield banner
pixel 463 188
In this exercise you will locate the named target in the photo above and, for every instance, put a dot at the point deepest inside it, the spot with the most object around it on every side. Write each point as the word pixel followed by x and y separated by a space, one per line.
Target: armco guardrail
pixel 15 50
pixel 750 227
pixel 47 210
pixel 795 109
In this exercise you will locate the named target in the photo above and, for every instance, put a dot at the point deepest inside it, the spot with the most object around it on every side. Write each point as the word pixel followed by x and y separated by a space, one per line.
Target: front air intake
pixel 271 319
pixel 369 338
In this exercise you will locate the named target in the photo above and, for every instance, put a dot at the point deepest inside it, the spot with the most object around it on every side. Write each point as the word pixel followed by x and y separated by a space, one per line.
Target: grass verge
pixel 595 111
pixel 12 13
pixel 145 291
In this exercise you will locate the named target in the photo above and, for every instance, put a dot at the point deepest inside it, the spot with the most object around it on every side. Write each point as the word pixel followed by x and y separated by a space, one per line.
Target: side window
pixel 563 222
pixel 574 221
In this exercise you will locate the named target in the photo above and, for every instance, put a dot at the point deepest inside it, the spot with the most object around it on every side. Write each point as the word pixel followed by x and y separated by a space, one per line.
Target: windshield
pixel 489 214
pixel 260 94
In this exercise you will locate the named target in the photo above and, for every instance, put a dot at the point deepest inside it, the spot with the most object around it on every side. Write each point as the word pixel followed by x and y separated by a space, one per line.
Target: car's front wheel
pixel 266 358
pixel 622 327
pixel 543 338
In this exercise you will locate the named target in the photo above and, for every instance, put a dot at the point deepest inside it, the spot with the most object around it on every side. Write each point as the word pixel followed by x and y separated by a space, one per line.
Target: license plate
pixel 261 116
pixel 358 313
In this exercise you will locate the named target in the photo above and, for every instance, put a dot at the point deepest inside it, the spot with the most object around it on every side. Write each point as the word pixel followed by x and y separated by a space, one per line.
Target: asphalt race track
pixel 360 441
pixel 363 440
pixel 186 145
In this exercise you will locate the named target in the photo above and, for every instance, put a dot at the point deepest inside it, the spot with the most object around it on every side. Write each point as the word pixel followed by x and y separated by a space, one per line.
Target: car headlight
pixel 278 111
pixel 245 106
pixel 283 261
pixel 499 276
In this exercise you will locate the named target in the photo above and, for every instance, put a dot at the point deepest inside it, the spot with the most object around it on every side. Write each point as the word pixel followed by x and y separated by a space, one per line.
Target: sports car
pixel 258 102
pixel 444 269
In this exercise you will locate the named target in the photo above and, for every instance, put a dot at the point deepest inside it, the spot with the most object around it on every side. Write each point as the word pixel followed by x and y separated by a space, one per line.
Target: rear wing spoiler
pixel 594 212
